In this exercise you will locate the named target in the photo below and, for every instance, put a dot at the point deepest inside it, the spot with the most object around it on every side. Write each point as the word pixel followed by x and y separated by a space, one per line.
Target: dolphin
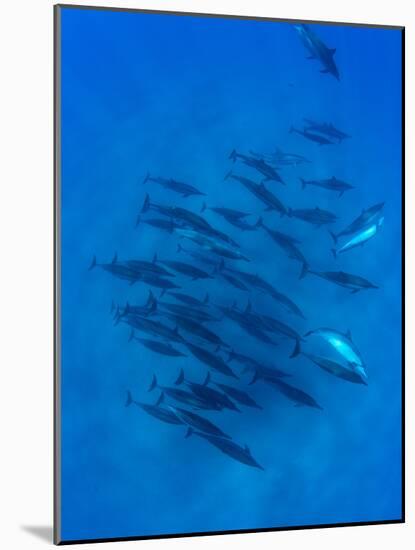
pixel 197 422
pixel 211 245
pixel 208 393
pixel 197 329
pixel 159 223
pixel 315 216
pixel 199 256
pixel 260 165
pixel 158 282
pixel 332 184
pixel 190 300
pixel 213 361
pixel 234 281
pixel 252 365
pixel 288 245
pixel 229 447
pixel 279 158
pixel 165 415
pixel 143 266
pixel 243 225
pixel 318 50
pixel 160 347
pixel 367 217
pixel 258 283
pixel 299 397
pixel 183 189
pixel 189 312
pixel 326 128
pixel 240 396
pixel 154 327
pixel 225 212
pixel 261 192
pixel 311 136
pixel 345 346
pixel 188 398
pixel 117 269
pixel 355 283
pixel 337 369
pixel 274 325
pixel 360 238
pixel 186 269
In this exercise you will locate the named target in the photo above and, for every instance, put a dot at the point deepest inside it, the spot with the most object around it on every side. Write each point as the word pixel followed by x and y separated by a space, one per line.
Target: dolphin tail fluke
pixel 304 270
pixel 259 222
pixel 153 383
pixel 206 300
pixel 131 335
pixel 146 204
pixel 93 263
pixel 129 399
pixel 296 350
pixel 303 183
pixel 228 175
pixel 179 248
pixel 180 378
pixel 333 236
pixel 203 207
pixel 189 432
pixel 145 180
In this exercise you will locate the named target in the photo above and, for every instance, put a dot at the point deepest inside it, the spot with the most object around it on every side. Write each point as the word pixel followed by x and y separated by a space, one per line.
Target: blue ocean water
pixel 174 96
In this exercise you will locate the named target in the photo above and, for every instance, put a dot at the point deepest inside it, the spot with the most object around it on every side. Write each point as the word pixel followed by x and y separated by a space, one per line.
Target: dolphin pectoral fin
pixel 355 290
pixel 332 51
pixel 189 432
pixel 349 335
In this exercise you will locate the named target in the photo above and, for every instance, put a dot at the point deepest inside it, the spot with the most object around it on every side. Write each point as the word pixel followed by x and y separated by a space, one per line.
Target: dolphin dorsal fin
pixel 332 51
pixel 349 335
pixel 180 378
pixel 160 399
pixel 155 258
pixel 207 379
pixel 247 449
pixel 115 259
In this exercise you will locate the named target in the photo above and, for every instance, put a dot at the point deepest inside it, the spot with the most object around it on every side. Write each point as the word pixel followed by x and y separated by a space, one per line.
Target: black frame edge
pixel 228 16
pixel 56 275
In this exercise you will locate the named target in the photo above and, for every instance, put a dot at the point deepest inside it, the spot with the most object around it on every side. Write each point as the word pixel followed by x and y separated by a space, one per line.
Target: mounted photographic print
pixel 228 274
